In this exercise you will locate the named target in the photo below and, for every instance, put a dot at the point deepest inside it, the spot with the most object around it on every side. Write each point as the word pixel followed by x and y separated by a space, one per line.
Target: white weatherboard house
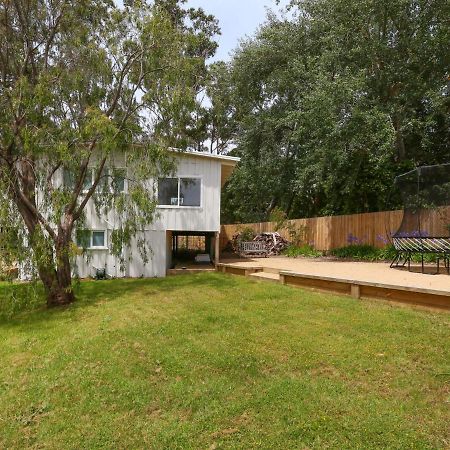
pixel 189 205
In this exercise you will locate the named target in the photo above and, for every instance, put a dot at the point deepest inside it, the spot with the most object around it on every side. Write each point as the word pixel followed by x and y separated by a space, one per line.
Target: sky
pixel 237 19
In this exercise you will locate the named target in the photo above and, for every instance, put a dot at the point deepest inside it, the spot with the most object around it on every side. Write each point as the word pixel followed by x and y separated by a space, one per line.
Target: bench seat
pixel 253 248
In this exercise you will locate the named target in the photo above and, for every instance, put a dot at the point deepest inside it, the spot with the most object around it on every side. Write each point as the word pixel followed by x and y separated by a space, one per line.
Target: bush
pixel 247 234
pixel 369 253
pixel 18 297
pixel 358 251
pixel 387 253
pixel 298 234
pixel 294 251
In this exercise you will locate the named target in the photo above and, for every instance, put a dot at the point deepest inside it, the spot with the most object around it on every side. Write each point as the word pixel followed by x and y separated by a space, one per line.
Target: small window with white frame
pixel 91 239
pixel 180 192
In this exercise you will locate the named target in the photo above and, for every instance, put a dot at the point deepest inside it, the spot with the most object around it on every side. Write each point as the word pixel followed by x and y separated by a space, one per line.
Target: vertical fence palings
pixel 326 233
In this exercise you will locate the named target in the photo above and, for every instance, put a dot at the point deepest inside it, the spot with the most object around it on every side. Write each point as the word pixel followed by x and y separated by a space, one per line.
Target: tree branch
pixel 91 191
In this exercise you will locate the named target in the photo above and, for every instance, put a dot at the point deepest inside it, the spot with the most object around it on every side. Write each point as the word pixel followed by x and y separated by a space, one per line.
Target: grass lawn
pixel 212 361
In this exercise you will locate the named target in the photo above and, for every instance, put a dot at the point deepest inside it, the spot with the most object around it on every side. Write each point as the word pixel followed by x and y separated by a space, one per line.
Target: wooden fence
pixel 326 233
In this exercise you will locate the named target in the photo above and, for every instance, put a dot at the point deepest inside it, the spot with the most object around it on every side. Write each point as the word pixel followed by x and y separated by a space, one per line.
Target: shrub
pixel 294 251
pixel 298 234
pixel 247 234
pixel 18 297
pixel 387 253
pixel 357 251
pixel 369 253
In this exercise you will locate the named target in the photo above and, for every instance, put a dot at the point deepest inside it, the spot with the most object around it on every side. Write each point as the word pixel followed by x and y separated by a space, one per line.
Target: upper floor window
pixel 181 192
pixel 113 180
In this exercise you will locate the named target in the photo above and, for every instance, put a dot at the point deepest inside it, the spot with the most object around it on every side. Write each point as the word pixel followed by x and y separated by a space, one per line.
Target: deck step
pixel 266 276
pixel 271 270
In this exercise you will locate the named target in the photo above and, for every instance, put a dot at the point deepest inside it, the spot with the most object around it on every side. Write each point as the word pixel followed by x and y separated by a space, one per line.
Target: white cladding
pixel 205 218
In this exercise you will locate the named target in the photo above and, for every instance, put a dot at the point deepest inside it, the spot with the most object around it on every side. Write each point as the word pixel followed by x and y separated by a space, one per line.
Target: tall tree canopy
pixel 83 83
pixel 332 103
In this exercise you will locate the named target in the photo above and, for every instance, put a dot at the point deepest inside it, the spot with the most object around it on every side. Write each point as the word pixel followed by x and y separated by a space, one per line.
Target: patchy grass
pixel 214 361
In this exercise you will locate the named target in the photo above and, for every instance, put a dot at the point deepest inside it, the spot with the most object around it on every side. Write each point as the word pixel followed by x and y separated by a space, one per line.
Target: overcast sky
pixel 237 19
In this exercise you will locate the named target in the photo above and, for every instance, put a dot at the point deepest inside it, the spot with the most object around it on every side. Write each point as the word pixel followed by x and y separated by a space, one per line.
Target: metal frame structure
pixel 407 246
pixel 422 189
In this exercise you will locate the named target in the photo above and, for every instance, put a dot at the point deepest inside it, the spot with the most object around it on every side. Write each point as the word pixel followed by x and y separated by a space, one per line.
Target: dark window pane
pixel 83 238
pixel 68 179
pixel 118 181
pixel 103 185
pixel 87 183
pixel 98 239
pixel 190 192
pixel 168 191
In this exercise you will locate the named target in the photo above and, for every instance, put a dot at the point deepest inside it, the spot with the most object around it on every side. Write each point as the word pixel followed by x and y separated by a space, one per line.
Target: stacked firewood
pixel 274 242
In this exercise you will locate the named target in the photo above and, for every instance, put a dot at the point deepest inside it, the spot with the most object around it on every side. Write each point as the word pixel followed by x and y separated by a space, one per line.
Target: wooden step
pixel 266 276
pixel 271 270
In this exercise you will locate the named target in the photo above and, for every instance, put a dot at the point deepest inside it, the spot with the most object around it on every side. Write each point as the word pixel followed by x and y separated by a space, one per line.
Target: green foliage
pixel 366 252
pixel 334 102
pixel 359 251
pixel 279 218
pixel 246 234
pixel 298 234
pixel 387 253
pixel 18 297
pixel 306 250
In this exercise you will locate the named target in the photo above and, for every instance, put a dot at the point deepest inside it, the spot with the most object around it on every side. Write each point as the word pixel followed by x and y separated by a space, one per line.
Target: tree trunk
pixel 57 280
pixel 58 286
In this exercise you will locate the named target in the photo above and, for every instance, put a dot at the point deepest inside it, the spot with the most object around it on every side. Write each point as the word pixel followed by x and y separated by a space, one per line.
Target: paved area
pixel 357 271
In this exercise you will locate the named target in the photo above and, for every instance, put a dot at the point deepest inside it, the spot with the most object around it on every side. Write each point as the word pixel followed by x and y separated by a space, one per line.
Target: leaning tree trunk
pixel 51 253
pixel 57 280
pixel 58 287
pixel 63 294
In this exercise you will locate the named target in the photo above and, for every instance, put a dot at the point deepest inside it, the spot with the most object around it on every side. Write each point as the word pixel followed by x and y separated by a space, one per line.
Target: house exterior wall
pixel 134 266
pixel 157 235
pixel 203 218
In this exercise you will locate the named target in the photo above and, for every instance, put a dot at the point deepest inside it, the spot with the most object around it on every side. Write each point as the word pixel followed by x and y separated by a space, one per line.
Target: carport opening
pixel 192 249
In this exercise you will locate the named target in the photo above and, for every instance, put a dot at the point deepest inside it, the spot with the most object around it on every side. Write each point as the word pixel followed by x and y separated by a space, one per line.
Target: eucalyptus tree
pixel 334 101
pixel 181 115
pixel 82 83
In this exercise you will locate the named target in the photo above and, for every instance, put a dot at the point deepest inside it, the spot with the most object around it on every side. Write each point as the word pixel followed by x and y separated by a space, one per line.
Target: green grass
pixel 214 361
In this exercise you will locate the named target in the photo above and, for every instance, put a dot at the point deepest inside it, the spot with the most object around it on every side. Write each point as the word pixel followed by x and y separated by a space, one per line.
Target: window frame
pixel 109 176
pixel 91 239
pixel 179 178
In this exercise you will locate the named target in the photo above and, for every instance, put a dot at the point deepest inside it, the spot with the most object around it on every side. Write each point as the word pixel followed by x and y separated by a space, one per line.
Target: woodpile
pixel 273 242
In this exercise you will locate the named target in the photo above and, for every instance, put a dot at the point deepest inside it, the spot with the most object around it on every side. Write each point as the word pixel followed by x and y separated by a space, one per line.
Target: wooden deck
pixel 358 279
